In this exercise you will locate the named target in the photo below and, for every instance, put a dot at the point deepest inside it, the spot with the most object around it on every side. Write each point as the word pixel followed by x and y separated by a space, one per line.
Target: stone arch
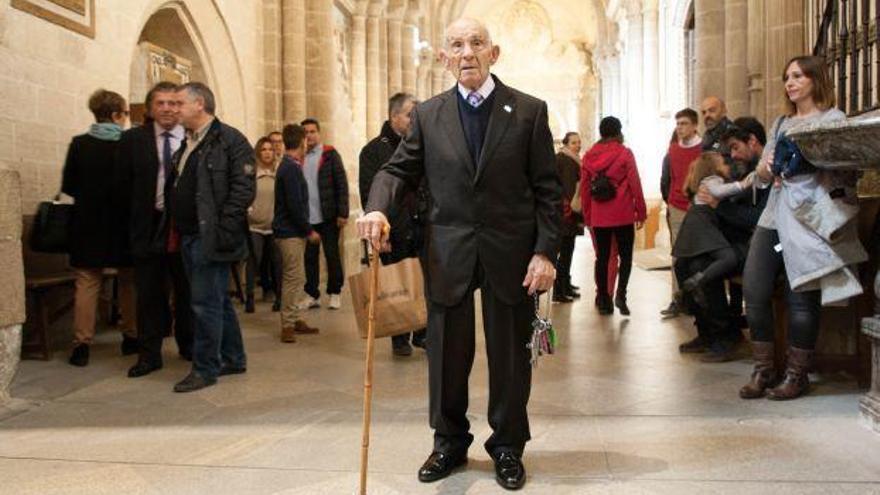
pixel 203 25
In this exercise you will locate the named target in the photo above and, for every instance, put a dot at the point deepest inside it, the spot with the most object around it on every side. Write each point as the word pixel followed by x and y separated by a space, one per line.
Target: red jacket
pixel 628 205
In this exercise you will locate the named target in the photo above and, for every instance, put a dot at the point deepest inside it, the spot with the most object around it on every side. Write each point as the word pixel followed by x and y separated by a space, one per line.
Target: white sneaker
pixel 308 303
pixel 335 302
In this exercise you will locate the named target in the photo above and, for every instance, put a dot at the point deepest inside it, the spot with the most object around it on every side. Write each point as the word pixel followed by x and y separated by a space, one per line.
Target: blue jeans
pixel 217 334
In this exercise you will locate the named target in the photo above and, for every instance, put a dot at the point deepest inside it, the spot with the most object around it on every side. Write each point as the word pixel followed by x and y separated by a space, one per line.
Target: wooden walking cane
pixel 368 367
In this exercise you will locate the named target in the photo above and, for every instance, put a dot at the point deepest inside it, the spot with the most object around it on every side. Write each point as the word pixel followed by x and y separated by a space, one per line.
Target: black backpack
pixel 601 187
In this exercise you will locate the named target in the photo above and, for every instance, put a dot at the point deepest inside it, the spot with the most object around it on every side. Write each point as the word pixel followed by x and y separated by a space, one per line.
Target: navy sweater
pixel 291 201
pixel 474 122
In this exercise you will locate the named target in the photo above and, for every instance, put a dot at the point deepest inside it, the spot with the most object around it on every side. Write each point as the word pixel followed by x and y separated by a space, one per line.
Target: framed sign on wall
pixel 76 15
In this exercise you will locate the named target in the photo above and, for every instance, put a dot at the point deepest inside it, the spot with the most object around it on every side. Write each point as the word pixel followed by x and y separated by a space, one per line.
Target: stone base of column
pixel 869 405
pixel 10 353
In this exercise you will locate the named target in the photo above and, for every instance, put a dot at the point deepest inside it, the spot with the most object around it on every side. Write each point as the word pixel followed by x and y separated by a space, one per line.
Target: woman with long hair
pixel 805 209
pixel 260 215
pixel 568 165
pixel 614 207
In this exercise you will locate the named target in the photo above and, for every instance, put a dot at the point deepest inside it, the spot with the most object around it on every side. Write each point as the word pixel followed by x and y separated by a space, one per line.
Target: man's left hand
pixel 704 197
pixel 340 222
pixel 540 275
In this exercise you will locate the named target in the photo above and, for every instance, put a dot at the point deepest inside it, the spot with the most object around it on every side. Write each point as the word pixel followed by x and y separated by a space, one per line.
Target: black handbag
pixel 601 187
pixel 49 233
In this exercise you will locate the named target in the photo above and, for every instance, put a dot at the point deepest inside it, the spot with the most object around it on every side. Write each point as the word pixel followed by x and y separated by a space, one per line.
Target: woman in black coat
pixel 568 165
pixel 96 231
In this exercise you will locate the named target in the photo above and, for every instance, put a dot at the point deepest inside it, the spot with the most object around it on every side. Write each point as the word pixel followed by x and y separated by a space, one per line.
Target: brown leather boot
pixel 302 327
pixel 288 335
pixel 763 374
pixel 795 383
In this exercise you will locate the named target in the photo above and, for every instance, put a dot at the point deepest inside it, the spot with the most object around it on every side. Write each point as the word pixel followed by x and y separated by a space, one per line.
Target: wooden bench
pixel 49 295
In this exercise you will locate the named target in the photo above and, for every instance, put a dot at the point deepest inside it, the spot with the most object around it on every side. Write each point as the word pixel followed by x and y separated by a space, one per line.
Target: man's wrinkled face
pixel 313 135
pixel 190 109
pixel 164 109
pixel 400 121
pixel 469 53
pixel 713 111
pixel 745 152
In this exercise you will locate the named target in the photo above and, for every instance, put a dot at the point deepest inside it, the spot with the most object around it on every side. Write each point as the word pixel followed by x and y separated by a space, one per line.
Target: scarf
pixel 571 154
pixel 105 131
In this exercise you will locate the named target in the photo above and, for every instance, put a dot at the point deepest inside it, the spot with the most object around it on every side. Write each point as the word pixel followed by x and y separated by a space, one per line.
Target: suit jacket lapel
pixel 153 163
pixel 499 119
pixel 452 122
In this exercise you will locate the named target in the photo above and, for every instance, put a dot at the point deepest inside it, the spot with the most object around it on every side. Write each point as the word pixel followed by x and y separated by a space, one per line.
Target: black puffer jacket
pixel 332 185
pixel 226 187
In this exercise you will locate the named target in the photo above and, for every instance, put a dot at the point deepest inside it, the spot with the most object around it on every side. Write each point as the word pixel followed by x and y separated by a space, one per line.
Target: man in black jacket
pixel 328 214
pixel 146 171
pixel 214 187
pixel 405 221
pixel 486 153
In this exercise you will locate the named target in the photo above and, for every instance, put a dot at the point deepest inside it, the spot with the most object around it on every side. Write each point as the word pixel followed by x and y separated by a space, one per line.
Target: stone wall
pixel 12 313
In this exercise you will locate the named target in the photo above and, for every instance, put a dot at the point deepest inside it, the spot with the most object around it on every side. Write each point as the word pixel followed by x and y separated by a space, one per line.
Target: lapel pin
pixel 507 108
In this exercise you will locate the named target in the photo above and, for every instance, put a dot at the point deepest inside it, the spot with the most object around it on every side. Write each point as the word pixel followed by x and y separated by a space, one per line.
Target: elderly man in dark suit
pixel 486 153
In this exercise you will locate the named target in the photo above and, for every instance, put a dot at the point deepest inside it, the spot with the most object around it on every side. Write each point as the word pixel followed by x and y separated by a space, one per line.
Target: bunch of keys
pixel 543 339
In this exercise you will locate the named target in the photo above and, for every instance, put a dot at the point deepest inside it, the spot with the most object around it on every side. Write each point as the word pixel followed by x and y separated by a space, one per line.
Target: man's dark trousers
pixel 152 276
pixel 217 339
pixel 329 233
pixel 450 346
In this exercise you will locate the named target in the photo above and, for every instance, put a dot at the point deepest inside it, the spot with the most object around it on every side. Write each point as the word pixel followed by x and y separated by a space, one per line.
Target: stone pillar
pixel 756 60
pixel 12 312
pixel 709 26
pixel 383 60
pixel 408 52
pixel 272 71
pixel 321 74
pixel 736 76
pixel 293 14
pixel 375 114
pixel 869 405
pixel 785 39
pixel 359 74
pixel 423 90
pixel 634 58
pixel 395 54
pixel 439 73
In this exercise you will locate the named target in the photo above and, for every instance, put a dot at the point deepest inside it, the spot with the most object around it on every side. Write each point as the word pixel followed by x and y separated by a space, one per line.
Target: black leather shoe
pixel 620 302
pixel 129 345
pixel 232 370
pixel 574 288
pixel 193 382
pixel 559 297
pixel 440 465
pixel 418 339
pixel 142 368
pixel 79 356
pixel 573 294
pixel 696 345
pixel 509 471
pixel 403 349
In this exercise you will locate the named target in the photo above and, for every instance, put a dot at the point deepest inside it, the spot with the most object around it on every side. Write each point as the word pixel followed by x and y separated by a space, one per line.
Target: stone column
pixel 423 90
pixel 756 60
pixel 439 82
pixel 383 60
pixel 293 14
pixel 375 115
pixel 785 39
pixel 634 58
pixel 709 26
pixel 321 74
pixel 12 312
pixel 869 405
pixel 395 54
pixel 408 52
pixel 272 72
pixel 359 73
pixel 650 56
pixel 736 76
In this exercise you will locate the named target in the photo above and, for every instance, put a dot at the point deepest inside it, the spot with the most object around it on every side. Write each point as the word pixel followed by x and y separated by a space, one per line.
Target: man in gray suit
pixel 486 153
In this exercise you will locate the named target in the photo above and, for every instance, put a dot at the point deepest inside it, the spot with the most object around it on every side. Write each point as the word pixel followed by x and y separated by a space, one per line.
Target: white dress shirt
pixel 484 91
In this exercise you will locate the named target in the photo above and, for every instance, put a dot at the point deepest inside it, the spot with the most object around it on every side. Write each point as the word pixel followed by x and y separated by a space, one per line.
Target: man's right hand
pixel 374 227
pixel 314 237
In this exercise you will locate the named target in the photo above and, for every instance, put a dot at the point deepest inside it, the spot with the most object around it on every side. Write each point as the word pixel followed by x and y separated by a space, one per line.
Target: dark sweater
pixel 474 122
pixel 291 201
pixel 183 203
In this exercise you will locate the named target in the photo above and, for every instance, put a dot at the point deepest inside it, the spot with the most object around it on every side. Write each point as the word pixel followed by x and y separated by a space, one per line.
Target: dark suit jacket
pixel 500 211
pixel 138 170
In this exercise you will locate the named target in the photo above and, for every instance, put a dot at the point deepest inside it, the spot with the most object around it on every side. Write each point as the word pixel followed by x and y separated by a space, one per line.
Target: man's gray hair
pixel 397 102
pixel 196 89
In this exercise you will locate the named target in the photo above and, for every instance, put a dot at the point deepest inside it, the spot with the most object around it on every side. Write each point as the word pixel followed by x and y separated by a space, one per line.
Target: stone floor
pixel 616 411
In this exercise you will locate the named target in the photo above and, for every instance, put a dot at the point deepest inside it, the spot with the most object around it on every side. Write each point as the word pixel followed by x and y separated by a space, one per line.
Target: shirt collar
pixel 317 150
pixel 200 133
pixel 484 91
pixel 263 172
pixel 176 132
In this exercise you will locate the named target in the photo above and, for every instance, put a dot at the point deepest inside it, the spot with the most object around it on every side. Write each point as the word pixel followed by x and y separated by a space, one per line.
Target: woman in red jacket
pixel 613 206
